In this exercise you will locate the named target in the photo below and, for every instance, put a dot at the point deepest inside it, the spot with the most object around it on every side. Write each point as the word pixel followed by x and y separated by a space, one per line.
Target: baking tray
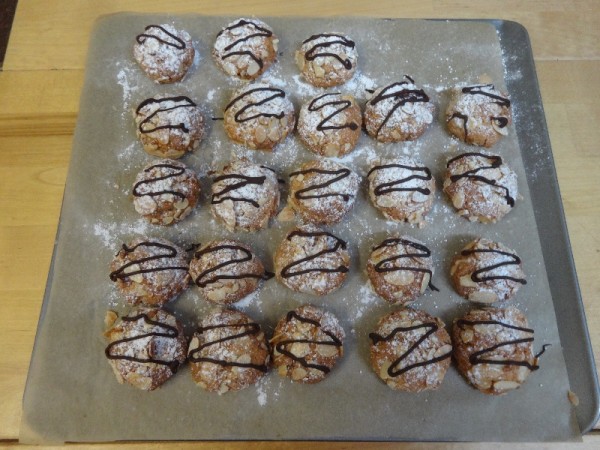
pixel 68 373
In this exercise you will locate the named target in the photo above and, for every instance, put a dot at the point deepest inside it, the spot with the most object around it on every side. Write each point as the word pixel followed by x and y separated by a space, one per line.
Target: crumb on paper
pixel 573 398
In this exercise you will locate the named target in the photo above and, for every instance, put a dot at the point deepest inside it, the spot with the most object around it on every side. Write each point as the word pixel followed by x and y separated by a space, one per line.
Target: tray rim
pixel 581 367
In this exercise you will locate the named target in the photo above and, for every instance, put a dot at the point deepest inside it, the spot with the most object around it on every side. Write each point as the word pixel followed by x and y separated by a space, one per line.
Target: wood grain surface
pixel 40 87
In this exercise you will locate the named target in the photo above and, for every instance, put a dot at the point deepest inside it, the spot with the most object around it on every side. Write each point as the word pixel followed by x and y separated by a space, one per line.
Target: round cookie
pixel 323 191
pixel 168 127
pixel 398 112
pixel 226 271
pixel 410 350
pixel 330 124
pixel 228 352
pixel 150 271
pixel 402 189
pixel 327 59
pixel 312 261
pixel 306 344
pixel 478 115
pixel 146 347
pixel 487 272
pixel 259 116
pixel 400 269
pixel 493 348
pixel 480 186
pixel 245 48
pixel 164 53
pixel 245 196
pixel 165 192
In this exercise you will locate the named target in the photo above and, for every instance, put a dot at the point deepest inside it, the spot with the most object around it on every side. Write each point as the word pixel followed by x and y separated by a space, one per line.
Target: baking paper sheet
pixel 71 392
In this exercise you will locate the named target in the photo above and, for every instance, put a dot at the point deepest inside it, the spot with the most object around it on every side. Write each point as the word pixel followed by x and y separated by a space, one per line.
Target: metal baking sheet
pixel 68 372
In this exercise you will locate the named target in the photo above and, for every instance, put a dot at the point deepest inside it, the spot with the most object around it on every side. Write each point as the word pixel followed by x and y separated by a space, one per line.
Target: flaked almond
pixel 275 44
pixel 282 371
pixel 400 277
pixel 425 282
pixel 216 295
pixel 300 349
pixel 182 204
pixel 467 281
pixel 244 359
pixel 284 122
pixel 109 318
pixel 194 343
pixel 253 68
pixel 168 220
pixel 483 297
pixel 385 201
pixel 260 134
pixel 274 133
pixel 466 335
pixel 505 385
pixel 298 374
pixel 383 371
pixel 458 200
pixel 396 135
pixel 327 351
pixel 444 350
pixel 223 389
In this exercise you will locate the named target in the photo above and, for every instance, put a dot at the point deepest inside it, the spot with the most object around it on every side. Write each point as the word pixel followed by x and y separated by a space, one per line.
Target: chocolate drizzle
pixel 478 90
pixel 208 276
pixel 281 346
pixel 178 44
pixel 187 103
pixel 313 52
pixel 343 105
pixel 495 162
pixel 513 260
pixel 246 329
pixel 387 265
pixel 394 370
pixel 401 98
pixel 260 32
pixel 168 332
pixel 275 93
pixel 287 272
pixel 171 252
pixel 177 171
pixel 340 174
pixel 220 197
pixel 386 188
pixel 479 358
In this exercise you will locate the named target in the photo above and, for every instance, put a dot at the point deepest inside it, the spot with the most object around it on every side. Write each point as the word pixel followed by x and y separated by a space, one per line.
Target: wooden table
pixel 40 86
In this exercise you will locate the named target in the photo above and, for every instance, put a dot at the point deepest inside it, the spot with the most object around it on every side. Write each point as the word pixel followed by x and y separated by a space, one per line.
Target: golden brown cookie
pixel 323 191
pixel 479 114
pixel 164 53
pixel 228 352
pixel 402 189
pixel 487 272
pixel 327 59
pixel 481 186
pixel 306 344
pixel 146 347
pixel 400 111
pixel 410 350
pixel 226 271
pixel 165 192
pixel 330 124
pixel 312 261
pixel 400 269
pixel 169 126
pixel 245 196
pixel 493 349
pixel 259 116
pixel 150 271
pixel 245 48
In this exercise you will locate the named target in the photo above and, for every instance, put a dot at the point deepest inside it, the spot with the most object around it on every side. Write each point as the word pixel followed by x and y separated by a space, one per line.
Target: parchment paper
pixel 71 392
